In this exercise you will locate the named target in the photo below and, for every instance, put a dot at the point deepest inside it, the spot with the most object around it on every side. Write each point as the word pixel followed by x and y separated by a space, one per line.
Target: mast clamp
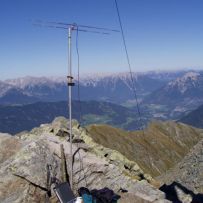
pixel 70 81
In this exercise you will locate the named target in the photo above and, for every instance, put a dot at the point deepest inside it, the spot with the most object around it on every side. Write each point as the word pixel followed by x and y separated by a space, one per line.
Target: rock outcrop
pixel 189 172
pixel 26 158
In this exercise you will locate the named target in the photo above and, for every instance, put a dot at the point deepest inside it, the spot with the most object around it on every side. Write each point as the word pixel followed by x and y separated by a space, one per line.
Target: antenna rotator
pixel 70 81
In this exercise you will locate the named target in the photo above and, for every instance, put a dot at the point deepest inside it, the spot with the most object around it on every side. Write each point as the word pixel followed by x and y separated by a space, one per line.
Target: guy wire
pixel 79 100
pixel 129 66
pixel 131 76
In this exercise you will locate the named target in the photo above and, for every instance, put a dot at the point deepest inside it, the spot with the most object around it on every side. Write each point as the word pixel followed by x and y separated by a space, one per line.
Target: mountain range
pixel 161 95
pixel 178 96
pixel 190 85
pixel 115 88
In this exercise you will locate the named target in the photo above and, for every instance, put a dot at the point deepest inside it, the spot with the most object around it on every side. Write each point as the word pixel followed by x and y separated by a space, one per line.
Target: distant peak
pixel 188 80
pixel 192 75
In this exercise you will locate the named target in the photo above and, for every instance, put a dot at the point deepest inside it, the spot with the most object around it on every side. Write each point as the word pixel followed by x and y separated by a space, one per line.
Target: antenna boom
pixel 74 25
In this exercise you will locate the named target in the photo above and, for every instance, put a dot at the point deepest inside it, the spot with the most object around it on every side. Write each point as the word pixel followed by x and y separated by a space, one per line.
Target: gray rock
pixel 23 175
pixel 189 172
pixel 184 182
pixel 11 144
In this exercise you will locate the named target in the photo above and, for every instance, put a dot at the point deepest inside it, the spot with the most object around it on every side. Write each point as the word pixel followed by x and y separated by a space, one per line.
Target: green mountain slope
pixel 160 147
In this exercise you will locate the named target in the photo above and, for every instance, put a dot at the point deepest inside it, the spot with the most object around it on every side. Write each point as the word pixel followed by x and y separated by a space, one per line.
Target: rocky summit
pixel 27 158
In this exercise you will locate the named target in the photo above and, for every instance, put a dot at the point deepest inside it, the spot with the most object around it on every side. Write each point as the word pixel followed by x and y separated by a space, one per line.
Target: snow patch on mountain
pixel 4 87
pixel 95 85
pixel 186 82
pixel 29 81
pixel 106 78
pixel 92 79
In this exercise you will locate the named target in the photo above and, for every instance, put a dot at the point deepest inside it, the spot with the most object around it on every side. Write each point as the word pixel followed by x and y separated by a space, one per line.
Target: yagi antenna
pixel 86 26
pixel 70 27
pixel 66 25
pixel 75 27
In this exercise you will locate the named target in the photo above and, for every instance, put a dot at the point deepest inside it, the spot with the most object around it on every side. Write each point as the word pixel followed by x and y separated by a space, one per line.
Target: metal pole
pixel 70 102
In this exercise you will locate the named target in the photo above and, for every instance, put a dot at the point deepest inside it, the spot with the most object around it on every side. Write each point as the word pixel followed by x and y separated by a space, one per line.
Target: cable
pixel 129 66
pixel 78 76
pixel 79 99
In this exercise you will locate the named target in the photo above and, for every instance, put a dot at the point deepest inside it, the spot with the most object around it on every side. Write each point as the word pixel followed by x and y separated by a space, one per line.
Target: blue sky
pixel 160 34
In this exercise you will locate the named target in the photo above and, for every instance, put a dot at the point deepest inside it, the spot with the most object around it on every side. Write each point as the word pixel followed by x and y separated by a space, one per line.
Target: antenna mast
pixel 72 27
pixel 70 84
